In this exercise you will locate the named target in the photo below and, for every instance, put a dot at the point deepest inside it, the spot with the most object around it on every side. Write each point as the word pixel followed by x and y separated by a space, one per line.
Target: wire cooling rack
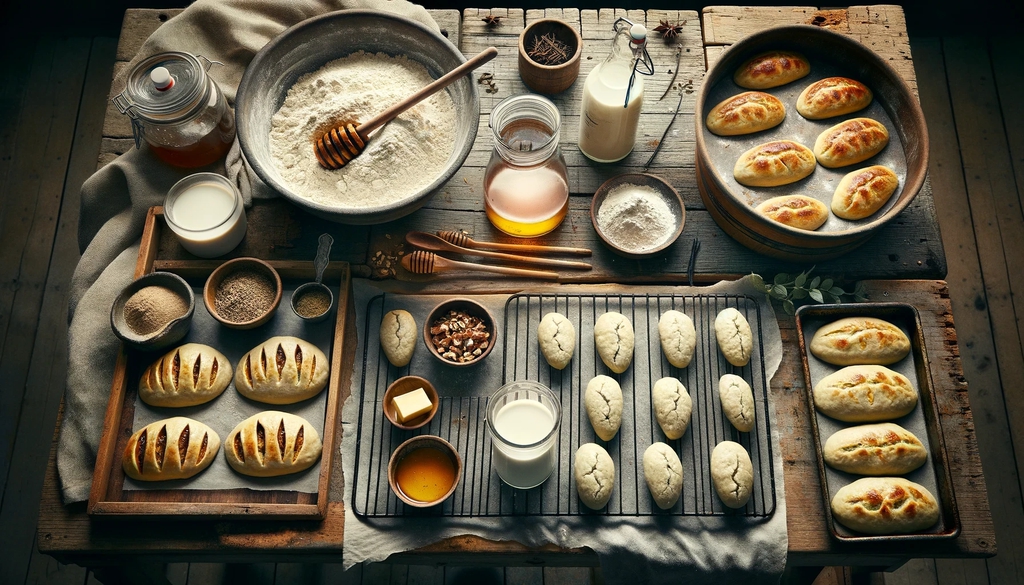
pixel 460 419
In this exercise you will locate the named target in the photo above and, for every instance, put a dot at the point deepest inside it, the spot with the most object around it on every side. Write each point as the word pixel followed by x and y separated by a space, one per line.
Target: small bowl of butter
pixel 410 402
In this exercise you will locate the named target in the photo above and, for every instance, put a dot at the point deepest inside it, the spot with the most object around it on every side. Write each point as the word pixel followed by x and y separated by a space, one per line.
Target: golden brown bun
pixel 173 448
pixel 272 443
pixel 282 370
pixel 885 505
pixel 863 192
pixel 865 394
pixel 186 376
pixel 850 142
pixel 771 69
pixel 860 340
pixel 748 112
pixel 775 163
pixel 799 211
pixel 833 96
pixel 879 449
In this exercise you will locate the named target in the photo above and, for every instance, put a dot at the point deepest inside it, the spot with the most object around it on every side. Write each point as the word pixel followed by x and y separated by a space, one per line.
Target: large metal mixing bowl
pixel 308 46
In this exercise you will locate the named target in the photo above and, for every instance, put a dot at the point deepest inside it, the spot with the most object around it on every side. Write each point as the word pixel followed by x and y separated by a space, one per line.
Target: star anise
pixel 668 30
pixel 492 20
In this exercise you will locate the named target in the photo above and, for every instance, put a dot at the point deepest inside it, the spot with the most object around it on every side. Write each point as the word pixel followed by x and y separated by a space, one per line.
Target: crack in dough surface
pixel 678 338
pixel 603 402
pixel 734 336
pixel 737 402
pixel 732 473
pixel 672 407
pixel 663 473
pixel 557 338
pixel 398 337
pixel 613 336
pixel 594 472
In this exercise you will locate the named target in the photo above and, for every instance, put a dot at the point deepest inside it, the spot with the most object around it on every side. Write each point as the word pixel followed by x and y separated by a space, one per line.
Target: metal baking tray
pixel 460 417
pixel 923 421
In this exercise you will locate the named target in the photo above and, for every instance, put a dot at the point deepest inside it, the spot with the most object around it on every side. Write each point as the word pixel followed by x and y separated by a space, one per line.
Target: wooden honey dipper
pixel 339 145
pixel 420 262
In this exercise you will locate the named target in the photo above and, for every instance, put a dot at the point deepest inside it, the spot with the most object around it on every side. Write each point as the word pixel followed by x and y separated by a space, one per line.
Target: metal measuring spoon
pixel 323 253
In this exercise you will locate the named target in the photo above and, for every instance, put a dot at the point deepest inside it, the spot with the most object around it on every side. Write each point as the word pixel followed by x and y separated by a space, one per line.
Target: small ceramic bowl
pixel 473 309
pixel 402 386
pixel 237 265
pixel 415 444
pixel 308 288
pixel 668 194
pixel 171 333
pixel 549 79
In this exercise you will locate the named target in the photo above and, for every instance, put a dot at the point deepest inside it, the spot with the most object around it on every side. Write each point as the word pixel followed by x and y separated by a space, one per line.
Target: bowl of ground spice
pixel 637 215
pixel 243 293
pixel 153 312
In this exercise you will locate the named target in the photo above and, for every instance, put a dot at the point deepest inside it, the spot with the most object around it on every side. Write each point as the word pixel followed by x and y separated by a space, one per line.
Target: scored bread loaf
pixel 863 192
pixel 746 113
pixel 865 394
pixel 885 505
pixel 282 370
pixel 798 211
pixel 833 96
pixel 878 449
pixel 850 142
pixel 771 69
pixel 775 163
pixel 272 443
pixel 186 376
pixel 173 448
pixel 860 340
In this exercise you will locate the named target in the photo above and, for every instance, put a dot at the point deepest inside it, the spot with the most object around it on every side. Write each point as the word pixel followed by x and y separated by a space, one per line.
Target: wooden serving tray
pixel 109 496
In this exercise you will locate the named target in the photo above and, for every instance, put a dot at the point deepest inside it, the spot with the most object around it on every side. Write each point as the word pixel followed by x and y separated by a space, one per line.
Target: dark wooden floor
pixel 52 99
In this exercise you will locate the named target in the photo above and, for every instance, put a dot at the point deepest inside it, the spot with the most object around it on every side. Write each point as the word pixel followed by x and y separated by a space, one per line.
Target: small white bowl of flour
pixel 637 215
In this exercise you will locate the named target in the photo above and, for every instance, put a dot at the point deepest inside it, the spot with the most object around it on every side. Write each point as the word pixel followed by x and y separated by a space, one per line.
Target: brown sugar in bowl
pixel 550 79
pixel 405 385
pixel 238 266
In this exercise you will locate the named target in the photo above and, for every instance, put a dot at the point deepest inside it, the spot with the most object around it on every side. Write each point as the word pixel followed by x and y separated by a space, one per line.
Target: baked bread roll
pixel 283 370
pixel 186 376
pixel 663 473
pixel 775 163
pixel 863 192
pixel 734 336
pixel 797 211
pixel 557 338
pixel 833 96
pixel 173 448
pixel 732 473
pixel 860 340
pixel 850 142
pixel 885 505
pixel 737 402
pixel 678 337
pixel 398 334
pixel 594 472
pixel 878 449
pixel 272 443
pixel 746 113
pixel 603 401
pixel 613 336
pixel 672 407
pixel 865 394
pixel 771 69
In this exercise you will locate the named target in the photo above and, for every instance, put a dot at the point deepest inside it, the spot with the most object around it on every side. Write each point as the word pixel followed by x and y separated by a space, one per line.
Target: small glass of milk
pixel 522 421
pixel 206 212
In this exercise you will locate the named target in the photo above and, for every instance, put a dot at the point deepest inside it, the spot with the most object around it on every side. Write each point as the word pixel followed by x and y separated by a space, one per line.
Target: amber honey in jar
pixel 526 190
pixel 178 110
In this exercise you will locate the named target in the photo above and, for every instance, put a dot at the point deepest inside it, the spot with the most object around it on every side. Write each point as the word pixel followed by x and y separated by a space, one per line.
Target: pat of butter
pixel 411 405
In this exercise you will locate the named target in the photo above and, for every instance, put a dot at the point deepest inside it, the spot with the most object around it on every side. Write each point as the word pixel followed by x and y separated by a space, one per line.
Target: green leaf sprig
pixel 793 290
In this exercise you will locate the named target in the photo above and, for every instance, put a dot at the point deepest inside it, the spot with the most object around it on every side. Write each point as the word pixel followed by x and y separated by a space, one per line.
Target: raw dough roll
pixel 398 336
pixel 603 401
pixel 672 407
pixel 557 339
pixel 737 402
pixel 678 338
pixel 732 473
pixel 734 336
pixel 594 472
pixel 663 473
pixel 613 336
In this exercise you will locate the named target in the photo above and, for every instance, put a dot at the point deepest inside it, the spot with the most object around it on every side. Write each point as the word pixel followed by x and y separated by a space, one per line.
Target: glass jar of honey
pixel 178 109
pixel 526 187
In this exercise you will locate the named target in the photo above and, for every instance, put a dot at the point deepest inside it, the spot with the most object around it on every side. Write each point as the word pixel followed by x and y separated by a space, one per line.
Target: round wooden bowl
pixel 471 307
pixel 550 79
pixel 732 205
pixel 402 386
pixel 230 267
pixel 172 332
pixel 423 442
pixel 668 193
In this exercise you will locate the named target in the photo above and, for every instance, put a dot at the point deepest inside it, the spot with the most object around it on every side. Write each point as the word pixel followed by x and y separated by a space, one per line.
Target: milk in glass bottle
pixel 613 95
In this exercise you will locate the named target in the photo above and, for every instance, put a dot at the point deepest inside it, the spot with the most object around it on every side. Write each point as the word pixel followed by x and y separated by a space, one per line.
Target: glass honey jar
pixel 178 109
pixel 526 187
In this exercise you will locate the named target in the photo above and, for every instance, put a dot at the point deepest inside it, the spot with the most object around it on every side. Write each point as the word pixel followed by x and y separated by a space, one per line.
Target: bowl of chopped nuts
pixel 460 332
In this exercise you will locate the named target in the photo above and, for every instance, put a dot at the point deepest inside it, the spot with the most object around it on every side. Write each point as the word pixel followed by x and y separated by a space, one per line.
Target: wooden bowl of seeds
pixel 243 293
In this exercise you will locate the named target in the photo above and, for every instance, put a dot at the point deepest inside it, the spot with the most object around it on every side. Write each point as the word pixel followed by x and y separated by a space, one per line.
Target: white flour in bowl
pixel 400 159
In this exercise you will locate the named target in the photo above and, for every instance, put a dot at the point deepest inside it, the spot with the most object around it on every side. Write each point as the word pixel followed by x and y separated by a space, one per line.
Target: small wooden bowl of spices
pixel 153 312
pixel 549 55
pixel 637 215
pixel 460 332
pixel 243 293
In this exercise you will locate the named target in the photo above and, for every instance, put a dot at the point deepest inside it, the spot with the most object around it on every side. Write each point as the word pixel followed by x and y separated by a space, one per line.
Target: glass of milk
pixel 206 212
pixel 522 421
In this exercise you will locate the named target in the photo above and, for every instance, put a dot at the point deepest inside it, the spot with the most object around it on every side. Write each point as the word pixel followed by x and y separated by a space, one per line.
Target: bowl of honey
pixel 424 471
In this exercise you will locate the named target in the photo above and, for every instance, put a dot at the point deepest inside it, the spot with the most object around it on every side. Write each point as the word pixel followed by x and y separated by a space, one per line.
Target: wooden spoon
pixel 420 262
pixel 435 244
pixel 461 239
pixel 339 145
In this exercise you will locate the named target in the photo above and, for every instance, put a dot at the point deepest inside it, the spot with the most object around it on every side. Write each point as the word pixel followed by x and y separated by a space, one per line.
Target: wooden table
pixel 904 261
